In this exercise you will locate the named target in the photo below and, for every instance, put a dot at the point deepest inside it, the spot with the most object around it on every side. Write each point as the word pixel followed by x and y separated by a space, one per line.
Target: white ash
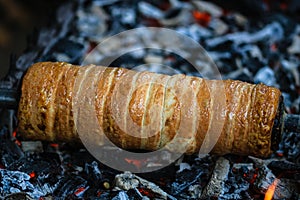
pixel 150 11
pixel 121 196
pixel 219 26
pixel 267 76
pixel 295 47
pixel 127 181
pixel 16 181
pixel 270 33
pixel 32 146
pixel 208 7
pixel 249 166
pixel 195 31
pixel 195 191
pixel 184 166
pixel 215 186
pixel 184 17
pixel 292 66
pixel 92 22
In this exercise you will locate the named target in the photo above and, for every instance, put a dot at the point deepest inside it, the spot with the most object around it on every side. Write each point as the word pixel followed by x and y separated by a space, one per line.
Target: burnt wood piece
pixel 9 98
pixel 291 123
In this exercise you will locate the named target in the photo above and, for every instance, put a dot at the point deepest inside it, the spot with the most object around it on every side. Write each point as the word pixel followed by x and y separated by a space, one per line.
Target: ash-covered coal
pixel 260 49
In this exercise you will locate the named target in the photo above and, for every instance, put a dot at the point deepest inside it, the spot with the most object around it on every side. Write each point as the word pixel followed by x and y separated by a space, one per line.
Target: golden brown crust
pixel 264 102
pixel 37 109
pixel 64 122
pixel 143 110
pixel 234 132
pixel 153 115
pixel 203 104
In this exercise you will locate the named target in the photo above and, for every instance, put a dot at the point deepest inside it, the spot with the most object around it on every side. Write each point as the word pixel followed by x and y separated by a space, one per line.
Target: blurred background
pixel 18 21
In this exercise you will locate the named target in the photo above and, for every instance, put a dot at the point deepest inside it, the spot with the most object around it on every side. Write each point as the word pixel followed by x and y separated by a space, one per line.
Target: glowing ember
pixel 18 142
pixel 274 47
pixel 202 17
pixel 99 193
pixel 146 192
pixel 280 153
pixel 54 145
pixel 270 192
pixel 14 134
pixel 32 174
pixel 283 6
pixel 79 191
pixel 137 163
pixel 253 178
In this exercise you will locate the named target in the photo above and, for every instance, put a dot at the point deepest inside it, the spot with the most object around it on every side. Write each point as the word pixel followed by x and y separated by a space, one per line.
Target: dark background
pixel 18 20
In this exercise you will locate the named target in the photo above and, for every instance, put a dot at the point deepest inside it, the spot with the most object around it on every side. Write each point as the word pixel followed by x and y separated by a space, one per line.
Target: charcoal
pixel 183 17
pixel 220 174
pixel 271 33
pixel 70 187
pixel 240 19
pixel 184 166
pixel 181 185
pixel 71 50
pixel 125 14
pixel 149 10
pixel 285 169
pixel 218 26
pixel 121 196
pixel 153 59
pixel 283 165
pixel 294 6
pixel 195 31
pixel 194 191
pixel 267 76
pixel 104 2
pixel 211 8
pixel 295 47
pixel 18 196
pixel 242 74
pixel 291 146
pixel 7 122
pixel 93 172
pixel 198 175
pixel 238 183
pixel 172 12
pixel 26 59
pixel 284 188
pixel 9 152
pixel 128 181
pixel 252 9
pixel 92 22
pixel 243 47
pixel 16 181
pixel 135 194
pixel 291 66
pixel 44 161
pixel 32 146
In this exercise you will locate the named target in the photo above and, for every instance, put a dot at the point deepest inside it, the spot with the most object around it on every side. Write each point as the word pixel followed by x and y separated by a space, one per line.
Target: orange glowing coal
pixel 137 163
pixel 32 174
pixel 202 17
pixel 270 192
